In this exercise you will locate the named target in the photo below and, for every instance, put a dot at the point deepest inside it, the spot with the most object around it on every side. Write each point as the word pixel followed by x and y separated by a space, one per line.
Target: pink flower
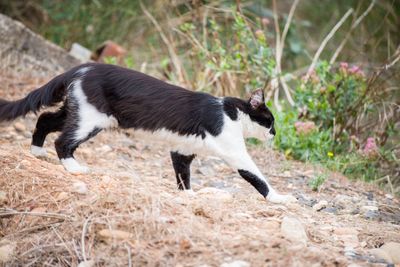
pixel 265 21
pixel 344 65
pixel 356 70
pixel 304 127
pixel 370 149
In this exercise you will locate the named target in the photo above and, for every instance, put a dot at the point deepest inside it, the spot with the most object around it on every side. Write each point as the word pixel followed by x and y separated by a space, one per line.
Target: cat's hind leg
pixel 83 122
pixel 48 122
pixel 67 143
pixel 181 164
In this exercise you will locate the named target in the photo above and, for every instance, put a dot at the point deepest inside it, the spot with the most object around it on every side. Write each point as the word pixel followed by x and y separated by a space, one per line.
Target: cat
pixel 97 96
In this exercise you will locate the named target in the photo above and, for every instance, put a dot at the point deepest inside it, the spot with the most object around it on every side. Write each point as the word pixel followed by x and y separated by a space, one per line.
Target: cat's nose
pixel 272 131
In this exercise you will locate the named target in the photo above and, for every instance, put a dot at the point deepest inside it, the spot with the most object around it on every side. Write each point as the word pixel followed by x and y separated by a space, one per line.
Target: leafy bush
pixel 323 125
pixel 230 58
pixel 334 98
pixel 313 146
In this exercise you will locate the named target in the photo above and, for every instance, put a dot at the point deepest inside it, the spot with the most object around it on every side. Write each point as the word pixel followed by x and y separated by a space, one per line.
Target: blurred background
pixel 330 69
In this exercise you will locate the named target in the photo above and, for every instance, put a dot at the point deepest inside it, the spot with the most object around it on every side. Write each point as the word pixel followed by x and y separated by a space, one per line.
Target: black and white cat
pixel 100 96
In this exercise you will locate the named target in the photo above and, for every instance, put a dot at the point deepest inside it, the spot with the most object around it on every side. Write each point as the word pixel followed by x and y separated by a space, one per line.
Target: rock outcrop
pixel 22 50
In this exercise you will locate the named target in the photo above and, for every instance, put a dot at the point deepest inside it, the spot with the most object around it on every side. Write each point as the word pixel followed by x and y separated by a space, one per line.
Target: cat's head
pixel 259 122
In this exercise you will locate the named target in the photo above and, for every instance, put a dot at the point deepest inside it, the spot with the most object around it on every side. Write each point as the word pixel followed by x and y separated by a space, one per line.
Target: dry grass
pixel 57 226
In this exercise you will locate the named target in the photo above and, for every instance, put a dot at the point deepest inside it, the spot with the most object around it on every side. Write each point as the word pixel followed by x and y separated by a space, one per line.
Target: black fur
pixel 260 185
pixel 181 164
pixel 47 95
pixel 262 115
pixel 140 101
pixel 47 123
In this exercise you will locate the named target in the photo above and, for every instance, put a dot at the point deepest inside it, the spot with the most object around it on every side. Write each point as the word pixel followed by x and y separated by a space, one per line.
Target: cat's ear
pixel 256 98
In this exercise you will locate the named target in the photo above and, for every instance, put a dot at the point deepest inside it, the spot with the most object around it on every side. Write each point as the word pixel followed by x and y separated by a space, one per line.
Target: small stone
pixel 3 198
pixel 369 208
pixel 369 215
pixel 80 187
pixel 206 170
pixel 7 250
pixel 89 263
pixel 343 200
pixel 350 252
pixel 242 215
pixel 24 164
pixel 345 231
pixel 164 219
pixel 237 263
pixel 320 205
pixel 27 134
pixel 349 236
pixel 379 253
pixel 305 200
pixel 350 240
pixel 355 211
pixel 293 230
pixel 330 210
pixel 116 234
pixel 271 225
pixel 393 250
pixel 19 127
pixel 215 193
pixel 62 196
pixel 105 149
pixel 389 196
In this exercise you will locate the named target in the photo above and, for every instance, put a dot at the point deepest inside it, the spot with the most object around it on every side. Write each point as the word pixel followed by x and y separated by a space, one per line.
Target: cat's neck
pixel 233 105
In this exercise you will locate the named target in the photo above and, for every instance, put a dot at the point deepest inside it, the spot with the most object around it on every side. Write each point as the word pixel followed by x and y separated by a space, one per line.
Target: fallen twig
pixel 84 229
pixel 8 213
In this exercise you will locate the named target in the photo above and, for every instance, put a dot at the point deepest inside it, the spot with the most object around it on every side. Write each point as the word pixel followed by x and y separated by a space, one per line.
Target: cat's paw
pixel 189 192
pixel 281 199
pixel 72 166
pixel 38 151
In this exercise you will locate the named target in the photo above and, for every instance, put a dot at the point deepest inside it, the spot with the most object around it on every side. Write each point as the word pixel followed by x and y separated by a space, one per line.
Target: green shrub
pixel 334 98
pixel 316 182
pixel 314 146
pixel 229 59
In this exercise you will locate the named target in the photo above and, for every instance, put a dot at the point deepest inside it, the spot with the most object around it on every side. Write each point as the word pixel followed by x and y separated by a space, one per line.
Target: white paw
pixel 72 166
pixel 189 192
pixel 281 199
pixel 38 151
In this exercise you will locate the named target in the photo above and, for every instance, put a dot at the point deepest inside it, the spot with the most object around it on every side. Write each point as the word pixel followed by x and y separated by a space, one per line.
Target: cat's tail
pixel 47 95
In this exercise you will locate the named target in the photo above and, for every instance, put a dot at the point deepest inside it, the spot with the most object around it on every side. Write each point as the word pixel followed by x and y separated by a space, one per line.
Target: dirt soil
pixel 128 212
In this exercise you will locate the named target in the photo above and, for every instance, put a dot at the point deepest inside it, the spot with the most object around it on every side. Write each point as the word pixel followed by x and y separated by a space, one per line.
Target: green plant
pixel 334 98
pixel 126 61
pixel 316 182
pixel 314 146
pixel 230 58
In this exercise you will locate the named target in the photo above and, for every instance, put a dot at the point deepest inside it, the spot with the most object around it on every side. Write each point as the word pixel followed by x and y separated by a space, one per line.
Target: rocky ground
pixel 127 211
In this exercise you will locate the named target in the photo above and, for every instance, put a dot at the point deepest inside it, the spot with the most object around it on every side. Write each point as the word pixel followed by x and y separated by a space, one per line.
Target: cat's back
pixel 138 100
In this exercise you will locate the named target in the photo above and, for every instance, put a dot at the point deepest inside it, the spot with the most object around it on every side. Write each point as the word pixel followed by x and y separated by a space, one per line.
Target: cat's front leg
pixel 181 164
pixel 243 163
